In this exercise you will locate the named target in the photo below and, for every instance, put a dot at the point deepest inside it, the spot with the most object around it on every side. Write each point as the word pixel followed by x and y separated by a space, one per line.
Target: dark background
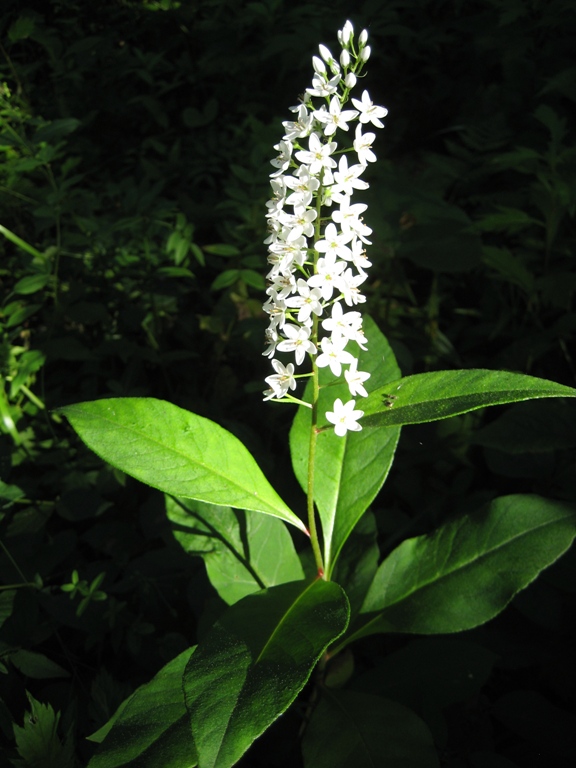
pixel 135 140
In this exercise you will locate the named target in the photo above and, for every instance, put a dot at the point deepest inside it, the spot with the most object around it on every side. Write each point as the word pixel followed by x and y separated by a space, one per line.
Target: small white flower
pixel 356 379
pixel 334 355
pixel 342 324
pixel 318 155
pixel 326 278
pixel 335 243
pixel 323 87
pixel 369 112
pixel 335 118
pixel 344 417
pixel 307 302
pixel 281 381
pixel 297 341
pixel 363 146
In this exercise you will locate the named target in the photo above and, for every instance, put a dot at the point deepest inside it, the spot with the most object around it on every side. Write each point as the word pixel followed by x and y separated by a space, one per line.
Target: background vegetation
pixel 135 139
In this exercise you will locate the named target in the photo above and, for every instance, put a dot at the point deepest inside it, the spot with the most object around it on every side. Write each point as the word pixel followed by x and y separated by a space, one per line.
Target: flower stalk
pixel 316 242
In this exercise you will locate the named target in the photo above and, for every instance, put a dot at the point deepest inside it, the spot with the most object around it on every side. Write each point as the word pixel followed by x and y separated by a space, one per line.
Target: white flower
pixel 323 87
pixel 298 341
pixel 344 417
pixel 300 127
pixel 342 324
pixel 346 180
pixel 307 302
pixel 356 379
pixel 335 243
pixel 363 146
pixel 334 355
pixel 281 381
pixel 328 271
pixel 369 112
pixel 335 118
pixel 283 160
pixel 318 155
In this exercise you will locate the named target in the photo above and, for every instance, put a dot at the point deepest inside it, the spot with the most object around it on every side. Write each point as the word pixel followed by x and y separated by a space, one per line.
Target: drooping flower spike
pixel 316 234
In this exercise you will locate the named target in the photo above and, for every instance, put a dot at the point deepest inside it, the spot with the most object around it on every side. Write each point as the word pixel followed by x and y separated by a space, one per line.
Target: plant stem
pixel 314 421
pixel 311 466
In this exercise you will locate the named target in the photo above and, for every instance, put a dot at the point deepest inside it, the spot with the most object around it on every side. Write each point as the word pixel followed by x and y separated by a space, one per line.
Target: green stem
pixel 314 421
pixel 311 466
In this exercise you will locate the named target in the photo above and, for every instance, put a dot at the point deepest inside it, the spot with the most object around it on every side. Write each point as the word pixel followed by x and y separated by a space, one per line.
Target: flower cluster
pixel 316 242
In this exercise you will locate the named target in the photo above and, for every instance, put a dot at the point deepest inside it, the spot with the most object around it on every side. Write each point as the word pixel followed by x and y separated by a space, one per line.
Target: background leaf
pixel 468 570
pixel 358 730
pixel 440 394
pixel 349 470
pixel 177 452
pixel 255 661
pixel 151 729
pixel 244 552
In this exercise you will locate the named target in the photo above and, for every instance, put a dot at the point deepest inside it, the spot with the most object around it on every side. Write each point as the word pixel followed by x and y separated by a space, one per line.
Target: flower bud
pixel 350 80
pixel 345 59
pixel 325 53
pixel 318 65
pixel 365 53
pixel 363 38
pixel 347 32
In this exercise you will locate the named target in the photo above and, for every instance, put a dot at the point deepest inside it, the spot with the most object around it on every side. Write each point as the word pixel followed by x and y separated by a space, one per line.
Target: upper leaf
pixel 350 470
pixel 177 452
pixel 255 661
pixel 440 394
pixel 468 570
pixel 243 551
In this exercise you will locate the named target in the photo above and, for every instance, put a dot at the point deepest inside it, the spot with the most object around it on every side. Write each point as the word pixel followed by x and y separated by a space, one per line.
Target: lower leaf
pixel 151 729
pixel 468 570
pixel 255 661
pixel 359 730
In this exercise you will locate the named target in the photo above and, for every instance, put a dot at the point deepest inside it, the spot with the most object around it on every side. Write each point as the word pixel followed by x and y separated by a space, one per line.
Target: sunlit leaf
pixel 255 661
pixel 177 452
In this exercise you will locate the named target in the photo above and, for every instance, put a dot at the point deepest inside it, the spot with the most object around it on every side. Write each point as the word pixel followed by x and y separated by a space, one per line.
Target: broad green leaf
pixel 358 730
pixel 255 661
pixel 177 452
pixel 152 728
pixel 244 552
pixel 468 570
pixel 440 394
pixel 350 470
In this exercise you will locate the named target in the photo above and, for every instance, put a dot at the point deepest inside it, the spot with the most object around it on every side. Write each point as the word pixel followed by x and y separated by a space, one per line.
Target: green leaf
pixel 225 279
pixel 6 602
pixel 152 728
pixel 31 284
pixel 358 730
pixel 36 665
pixel 440 394
pixel 177 452
pixel 350 470
pixel 468 570
pixel 222 249
pixel 255 661
pixel 38 743
pixel 244 552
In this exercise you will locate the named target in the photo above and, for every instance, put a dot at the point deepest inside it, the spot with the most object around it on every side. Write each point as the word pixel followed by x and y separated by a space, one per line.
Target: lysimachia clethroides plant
pixel 209 704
